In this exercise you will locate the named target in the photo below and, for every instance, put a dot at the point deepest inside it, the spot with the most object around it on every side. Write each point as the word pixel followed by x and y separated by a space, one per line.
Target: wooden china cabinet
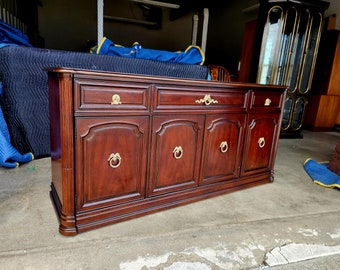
pixel 290 32
pixel 123 146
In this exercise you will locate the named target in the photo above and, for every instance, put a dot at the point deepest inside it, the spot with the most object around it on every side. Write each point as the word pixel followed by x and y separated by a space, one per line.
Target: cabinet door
pixel 175 153
pixel 111 160
pixel 222 147
pixel 260 142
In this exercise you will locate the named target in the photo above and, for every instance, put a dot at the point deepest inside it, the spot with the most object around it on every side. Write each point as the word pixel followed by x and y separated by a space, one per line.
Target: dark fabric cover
pixel 334 163
pixel 25 92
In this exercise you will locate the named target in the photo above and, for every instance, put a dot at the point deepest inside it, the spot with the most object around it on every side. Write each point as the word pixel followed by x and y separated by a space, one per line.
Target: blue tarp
pixel 9 156
pixel 192 55
pixel 12 36
pixel 321 175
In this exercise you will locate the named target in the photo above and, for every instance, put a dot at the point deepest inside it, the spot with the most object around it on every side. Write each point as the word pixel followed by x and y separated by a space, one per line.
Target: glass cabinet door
pixel 288 108
pixel 310 53
pixel 298 50
pixel 287 41
pixel 271 44
pixel 298 113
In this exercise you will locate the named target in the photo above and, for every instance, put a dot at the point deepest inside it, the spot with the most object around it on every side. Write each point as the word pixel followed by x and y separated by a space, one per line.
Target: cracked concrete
pixel 291 223
pixel 292 253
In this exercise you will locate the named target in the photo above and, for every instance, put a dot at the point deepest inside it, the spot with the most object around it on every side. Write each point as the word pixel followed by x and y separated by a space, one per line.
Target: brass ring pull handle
pixel 261 142
pixel 224 146
pixel 114 160
pixel 178 152
pixel 115 100
pixel 267 102
pixel 207 100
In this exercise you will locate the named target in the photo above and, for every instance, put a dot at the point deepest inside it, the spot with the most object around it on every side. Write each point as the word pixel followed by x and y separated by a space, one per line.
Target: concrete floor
pixel 291 223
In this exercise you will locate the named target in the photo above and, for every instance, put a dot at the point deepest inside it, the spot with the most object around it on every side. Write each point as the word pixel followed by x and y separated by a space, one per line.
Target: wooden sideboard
pixel 123 146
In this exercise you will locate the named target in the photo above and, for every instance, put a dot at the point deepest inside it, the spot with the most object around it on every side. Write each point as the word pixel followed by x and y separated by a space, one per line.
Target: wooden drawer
pixel 110 96
pixel 194 99
pixel 265 99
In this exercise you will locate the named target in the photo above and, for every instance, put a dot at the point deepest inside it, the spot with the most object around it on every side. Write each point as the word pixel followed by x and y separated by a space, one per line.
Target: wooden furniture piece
pixel 334 162
pixel 124 145
pixel 324 105
pixel 290 32
pixel 219 73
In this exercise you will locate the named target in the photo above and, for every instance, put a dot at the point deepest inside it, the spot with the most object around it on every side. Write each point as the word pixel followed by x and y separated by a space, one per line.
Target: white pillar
pixel 100 20
pixel 205 29
pixel 194 29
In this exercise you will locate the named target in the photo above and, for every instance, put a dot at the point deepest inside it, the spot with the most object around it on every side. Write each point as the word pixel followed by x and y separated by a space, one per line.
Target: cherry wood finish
pixel 163 142
pixel 323 107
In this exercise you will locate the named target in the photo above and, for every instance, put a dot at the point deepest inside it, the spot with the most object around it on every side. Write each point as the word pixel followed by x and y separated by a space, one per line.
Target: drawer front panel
pixel 198 100
pixel 111 97
pixel 266 100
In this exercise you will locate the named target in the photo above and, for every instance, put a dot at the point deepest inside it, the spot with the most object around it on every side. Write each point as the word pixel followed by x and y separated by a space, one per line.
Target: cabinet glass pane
pixel 286 113
pixel 283 65
pixel 299 109
pixel 298 49
pixel 310 53
pixel 270 46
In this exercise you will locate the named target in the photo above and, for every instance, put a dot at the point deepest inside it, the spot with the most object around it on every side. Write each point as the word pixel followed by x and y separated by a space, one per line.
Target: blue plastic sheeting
pixel 192 55
pixel 12 36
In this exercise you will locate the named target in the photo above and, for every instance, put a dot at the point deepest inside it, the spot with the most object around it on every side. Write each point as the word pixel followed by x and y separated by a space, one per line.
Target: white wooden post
pixel 100 20
pixel 205 29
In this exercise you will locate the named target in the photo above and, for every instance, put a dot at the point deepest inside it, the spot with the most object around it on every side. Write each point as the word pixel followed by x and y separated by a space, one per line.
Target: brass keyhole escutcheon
pixel 114 160
pixel 178 152
pixel 115 100
pixel 261 142
pixel 224 146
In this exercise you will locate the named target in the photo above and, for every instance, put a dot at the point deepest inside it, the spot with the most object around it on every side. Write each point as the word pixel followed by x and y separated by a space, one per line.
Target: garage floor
pixel 291 223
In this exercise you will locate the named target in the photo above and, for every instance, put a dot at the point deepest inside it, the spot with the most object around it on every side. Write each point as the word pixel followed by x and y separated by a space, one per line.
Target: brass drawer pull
pixel 267 102
pixel 178 152
pixel 114 160
pixel 115 100
pixel 207 100
pixel 261 142
pixel 224 146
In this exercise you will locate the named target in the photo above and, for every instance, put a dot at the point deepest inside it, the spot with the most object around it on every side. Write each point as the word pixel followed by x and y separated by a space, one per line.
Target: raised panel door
pixel 175 153
pixel 111 160
pixel 261 138
pixel 222 147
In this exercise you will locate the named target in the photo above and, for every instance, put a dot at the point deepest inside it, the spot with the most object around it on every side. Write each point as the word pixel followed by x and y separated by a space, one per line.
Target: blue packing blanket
pixel 321 175
pixel 9 156
pixel 192 55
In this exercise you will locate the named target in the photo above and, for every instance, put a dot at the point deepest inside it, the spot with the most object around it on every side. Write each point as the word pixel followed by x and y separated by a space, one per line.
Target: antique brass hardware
pixel 207 100
pixel 267 102
pixel 261 142
pixel 115 100
pixel 178 152
pixel 114 160
pixel 224 146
